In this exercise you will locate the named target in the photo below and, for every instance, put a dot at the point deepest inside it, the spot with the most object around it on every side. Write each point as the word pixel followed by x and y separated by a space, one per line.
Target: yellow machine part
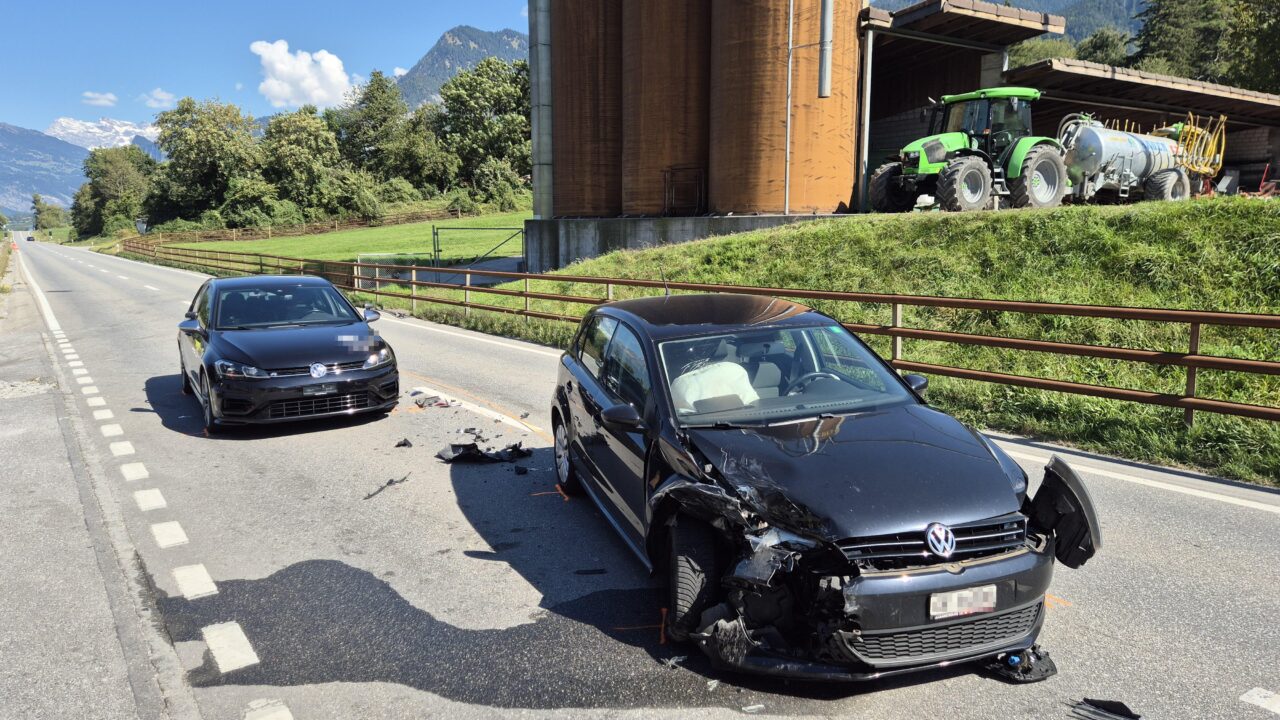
pixel 1203 143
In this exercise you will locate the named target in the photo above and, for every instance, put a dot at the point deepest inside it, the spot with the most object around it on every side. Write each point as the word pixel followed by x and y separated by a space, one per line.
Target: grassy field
pixel 1217 254
pixel 410 238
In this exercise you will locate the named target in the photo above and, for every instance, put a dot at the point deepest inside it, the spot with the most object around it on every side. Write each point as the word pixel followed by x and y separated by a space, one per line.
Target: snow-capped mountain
pixel 106 132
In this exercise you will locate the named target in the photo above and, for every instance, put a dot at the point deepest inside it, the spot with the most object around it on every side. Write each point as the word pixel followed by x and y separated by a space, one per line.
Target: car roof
pixel 675 316
pixel 271 281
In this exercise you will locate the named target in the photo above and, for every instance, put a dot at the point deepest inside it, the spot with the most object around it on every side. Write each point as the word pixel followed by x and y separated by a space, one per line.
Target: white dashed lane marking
pixel 96 401
pixel 85 380
pixel 122 448
pixel 134 471
pixel 149 500
pixel 229 646
pixel 1264 699
pixel 79 371
pixel 91 390
pixel 112 430
pixel 194 582
pixel 268 710
pixel 151 288
pixel 169 534
pixel 75 364
pixel 122 277
pixel 103 415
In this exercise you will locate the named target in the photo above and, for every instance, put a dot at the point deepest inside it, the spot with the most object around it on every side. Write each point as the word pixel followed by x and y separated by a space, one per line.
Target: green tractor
pixel 979 147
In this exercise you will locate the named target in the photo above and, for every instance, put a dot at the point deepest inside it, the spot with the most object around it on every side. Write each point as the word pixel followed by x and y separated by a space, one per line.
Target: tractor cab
pixel 977 148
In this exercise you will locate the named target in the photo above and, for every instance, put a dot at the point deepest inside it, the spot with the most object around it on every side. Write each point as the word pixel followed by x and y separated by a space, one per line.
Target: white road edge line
pixel 194 582
pixel 169 534
pixel 41 300
pixel 96 401
pixel 513 346
pixel 1264 699
pixel 229 646
pixel 477 409
pixel 1154 483
pixel 120 449
pixel 268 710
pixel 149 500
pixel 134 471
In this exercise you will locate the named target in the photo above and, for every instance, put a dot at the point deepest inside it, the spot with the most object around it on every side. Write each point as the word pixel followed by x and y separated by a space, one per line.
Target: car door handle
pixel 569 386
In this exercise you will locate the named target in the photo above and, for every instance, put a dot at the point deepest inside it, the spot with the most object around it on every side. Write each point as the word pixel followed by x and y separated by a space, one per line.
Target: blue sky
pixel 98 59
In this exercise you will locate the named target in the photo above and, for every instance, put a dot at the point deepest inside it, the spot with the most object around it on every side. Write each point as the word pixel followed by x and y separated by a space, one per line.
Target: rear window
pixel 247 308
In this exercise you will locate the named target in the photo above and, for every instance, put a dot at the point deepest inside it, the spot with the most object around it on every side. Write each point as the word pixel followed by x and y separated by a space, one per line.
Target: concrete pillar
pixel 991 72
pixel 540 99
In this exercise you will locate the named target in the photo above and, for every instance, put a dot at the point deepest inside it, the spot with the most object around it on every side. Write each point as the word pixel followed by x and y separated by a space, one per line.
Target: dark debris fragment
pixel 387 484
pixel 1089 709
pixel 404 443
pixel 471 452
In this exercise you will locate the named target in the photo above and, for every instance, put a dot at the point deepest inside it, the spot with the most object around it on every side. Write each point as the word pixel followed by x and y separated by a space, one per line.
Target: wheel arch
pixel 1023 147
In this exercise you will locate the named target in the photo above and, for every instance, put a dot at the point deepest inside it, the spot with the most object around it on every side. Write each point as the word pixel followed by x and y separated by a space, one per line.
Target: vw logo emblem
pixel 942 542
pixel 318 370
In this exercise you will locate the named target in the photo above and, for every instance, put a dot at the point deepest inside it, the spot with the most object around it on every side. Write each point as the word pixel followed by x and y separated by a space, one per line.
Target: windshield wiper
pixel 724 425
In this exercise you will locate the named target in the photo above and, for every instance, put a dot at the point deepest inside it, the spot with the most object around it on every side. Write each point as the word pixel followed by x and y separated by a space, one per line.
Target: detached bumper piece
pixel 1028 666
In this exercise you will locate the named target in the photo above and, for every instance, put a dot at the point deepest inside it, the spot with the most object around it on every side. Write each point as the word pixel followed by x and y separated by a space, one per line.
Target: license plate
pixel 319 389
pixel 962 602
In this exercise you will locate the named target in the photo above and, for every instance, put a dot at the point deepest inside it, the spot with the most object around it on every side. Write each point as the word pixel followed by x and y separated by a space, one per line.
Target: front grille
pixel 333 368
pixel 907 550
pixel 302 407
pixel 947 640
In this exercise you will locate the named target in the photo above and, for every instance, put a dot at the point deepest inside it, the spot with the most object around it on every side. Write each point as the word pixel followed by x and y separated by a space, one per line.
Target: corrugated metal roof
pixel 971 20
pixel 1067 79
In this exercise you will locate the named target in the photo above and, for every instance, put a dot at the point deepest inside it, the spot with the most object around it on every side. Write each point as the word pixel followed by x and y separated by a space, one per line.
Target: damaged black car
pixel 814 516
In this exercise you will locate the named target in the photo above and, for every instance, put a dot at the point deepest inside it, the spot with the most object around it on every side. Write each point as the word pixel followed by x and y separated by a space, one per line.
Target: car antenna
pixel 663 275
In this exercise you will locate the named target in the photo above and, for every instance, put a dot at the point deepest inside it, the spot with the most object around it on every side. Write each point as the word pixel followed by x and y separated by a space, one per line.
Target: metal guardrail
pixel 344 275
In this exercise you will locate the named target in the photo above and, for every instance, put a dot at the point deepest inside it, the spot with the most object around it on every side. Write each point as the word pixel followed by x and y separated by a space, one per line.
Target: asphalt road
pixel 317 571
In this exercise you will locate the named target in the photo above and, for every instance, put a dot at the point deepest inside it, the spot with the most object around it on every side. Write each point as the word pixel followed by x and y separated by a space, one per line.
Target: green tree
pixel 1188 38
pixel 208 144
pixel 1032 51
pixel 368 127
pixel 119 182
pixel 1256 37
pixel 4 222
pixel 418 155
pixel 1108 45
pixel 47 216
pixel 298 152
pixel 486 115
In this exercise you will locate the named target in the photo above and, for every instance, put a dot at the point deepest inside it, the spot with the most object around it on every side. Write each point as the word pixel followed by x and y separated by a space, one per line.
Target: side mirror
pixel 191 315
pixel 918 383
pixel 370 314
pixel 621 417
pixel 191 327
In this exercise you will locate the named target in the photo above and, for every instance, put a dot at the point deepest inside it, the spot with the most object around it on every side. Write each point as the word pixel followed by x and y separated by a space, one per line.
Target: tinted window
pixel 594 341
pixel 626 373
pixel 256 307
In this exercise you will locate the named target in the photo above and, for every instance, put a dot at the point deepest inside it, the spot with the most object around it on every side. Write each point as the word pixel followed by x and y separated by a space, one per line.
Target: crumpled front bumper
pixel 893 633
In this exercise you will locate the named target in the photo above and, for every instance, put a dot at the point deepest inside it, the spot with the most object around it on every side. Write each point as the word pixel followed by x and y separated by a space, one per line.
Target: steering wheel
pixel 803 381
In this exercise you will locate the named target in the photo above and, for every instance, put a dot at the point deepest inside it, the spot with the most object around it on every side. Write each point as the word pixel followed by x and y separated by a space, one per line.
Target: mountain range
pixel 458 49
pixel 33 162
pixel 105 132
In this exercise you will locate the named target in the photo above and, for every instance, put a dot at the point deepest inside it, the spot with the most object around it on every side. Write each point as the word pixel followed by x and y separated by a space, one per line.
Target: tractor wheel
pixel 885 189
pixel 1172 184
pixel 964 185
pixel 1043 181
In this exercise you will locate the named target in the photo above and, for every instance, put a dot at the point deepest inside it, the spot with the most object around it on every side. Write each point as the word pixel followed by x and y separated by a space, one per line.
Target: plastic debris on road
pixel 387 484
pixel 1090 709
pixel 404 443
pixel 471 452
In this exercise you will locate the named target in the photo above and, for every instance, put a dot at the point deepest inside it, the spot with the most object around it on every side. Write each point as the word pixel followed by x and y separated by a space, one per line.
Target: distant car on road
pixel 269 349
pixel 31 238
pixel 814 516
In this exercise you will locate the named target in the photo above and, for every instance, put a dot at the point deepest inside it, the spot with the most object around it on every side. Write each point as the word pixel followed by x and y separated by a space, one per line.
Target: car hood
pixel 873 473
pixel 273 349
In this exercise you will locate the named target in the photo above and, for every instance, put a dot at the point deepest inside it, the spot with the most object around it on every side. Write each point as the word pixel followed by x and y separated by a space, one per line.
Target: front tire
pixel 206 407
pixel 885 190
pixel 694 575
pixel 566 475
pixel 1043 181
pixel 964 185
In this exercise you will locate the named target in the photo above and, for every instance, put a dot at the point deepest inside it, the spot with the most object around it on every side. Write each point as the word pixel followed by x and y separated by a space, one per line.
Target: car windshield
pixel 261 307
pixel 756 377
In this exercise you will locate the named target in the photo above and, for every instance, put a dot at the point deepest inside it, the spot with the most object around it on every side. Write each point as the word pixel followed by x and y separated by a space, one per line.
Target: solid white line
pixel 149 500
pixel 134 471
pixel 90 390
pixel 103 415
pixel 1264 699
pixel 112 430
pixel 96 401
pixel 168 534
pixel 194 582
pixel 513 346
pixel 230 648
pixel 268 710
pixel 1154 483
pixel 122 448
pixel 151 288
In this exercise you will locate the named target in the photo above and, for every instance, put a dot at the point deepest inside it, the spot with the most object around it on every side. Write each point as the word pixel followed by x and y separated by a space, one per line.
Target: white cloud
pixel 525 11
pixel 399 72
pixel 97 99
pixel 300 78
pixel 158 99
pixel 239 86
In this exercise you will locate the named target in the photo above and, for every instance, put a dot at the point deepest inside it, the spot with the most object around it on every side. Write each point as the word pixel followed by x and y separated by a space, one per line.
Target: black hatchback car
pixel 269 349
pixel 814 516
